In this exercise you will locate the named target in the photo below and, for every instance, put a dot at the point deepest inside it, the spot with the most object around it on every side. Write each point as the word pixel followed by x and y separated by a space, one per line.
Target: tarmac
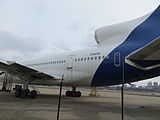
pixel 107 106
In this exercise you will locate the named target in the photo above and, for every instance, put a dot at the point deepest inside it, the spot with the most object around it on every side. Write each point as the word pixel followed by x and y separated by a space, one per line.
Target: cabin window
pixel 75 59
pixel 95 58
pixel 91 58
pixel 78 59
pixel 81 59
pixel 84 59
pixel 103 57
pixel 99 57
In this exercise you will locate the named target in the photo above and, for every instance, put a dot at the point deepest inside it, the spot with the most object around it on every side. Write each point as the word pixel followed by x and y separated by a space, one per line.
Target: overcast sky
pixel 38 28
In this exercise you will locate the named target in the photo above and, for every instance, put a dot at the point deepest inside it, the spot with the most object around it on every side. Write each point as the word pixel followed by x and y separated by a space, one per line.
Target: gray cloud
pixel 9 41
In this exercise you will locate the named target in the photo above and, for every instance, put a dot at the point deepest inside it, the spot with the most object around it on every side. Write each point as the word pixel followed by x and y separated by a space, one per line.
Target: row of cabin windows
pixel 56 62
pixel 45 63
pixel 77 59
pixel 90 58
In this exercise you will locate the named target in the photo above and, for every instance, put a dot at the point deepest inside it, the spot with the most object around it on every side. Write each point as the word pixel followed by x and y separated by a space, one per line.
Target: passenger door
pixel 69 67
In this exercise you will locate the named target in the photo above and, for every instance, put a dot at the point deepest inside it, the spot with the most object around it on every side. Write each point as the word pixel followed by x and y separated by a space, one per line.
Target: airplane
pixel 125 52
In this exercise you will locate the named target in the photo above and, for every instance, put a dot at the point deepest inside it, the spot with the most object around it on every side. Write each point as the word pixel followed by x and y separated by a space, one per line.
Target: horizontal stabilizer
pixel 146 58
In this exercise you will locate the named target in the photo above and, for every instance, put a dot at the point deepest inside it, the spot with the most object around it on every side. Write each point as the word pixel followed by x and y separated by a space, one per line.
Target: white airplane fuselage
pixel 78 67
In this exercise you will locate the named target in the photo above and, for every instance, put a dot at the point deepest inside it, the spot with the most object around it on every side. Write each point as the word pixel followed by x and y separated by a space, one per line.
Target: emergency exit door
pixel 117 59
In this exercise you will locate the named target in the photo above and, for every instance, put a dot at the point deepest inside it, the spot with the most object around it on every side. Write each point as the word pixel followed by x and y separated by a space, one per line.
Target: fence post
pixel 59 102
pixel 122 89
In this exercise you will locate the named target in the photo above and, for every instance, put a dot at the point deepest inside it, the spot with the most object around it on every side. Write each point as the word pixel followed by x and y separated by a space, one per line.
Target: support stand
pixel 94 92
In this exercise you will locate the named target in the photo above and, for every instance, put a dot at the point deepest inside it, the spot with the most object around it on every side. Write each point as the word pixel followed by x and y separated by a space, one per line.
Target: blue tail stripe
pixel 108 74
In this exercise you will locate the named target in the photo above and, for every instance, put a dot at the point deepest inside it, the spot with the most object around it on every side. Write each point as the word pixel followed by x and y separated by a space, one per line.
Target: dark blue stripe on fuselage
pixel 109 74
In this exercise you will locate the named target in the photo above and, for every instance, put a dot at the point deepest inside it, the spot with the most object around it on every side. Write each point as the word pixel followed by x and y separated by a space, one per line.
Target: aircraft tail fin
pixel 146 26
